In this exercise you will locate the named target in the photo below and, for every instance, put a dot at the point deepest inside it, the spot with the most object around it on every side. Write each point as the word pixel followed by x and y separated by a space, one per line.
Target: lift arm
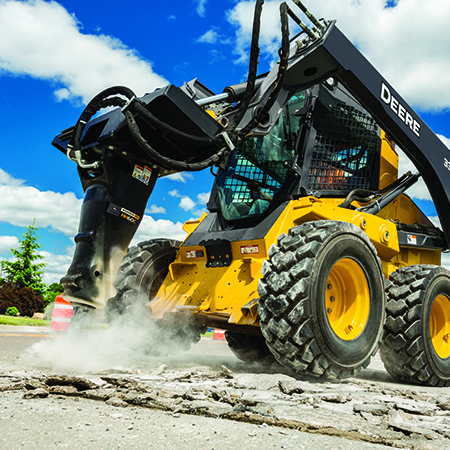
pixel 331 54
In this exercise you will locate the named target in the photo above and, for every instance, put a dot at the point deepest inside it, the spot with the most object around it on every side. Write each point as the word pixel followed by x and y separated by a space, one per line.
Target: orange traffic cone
pixel 62 313
pixel 219 335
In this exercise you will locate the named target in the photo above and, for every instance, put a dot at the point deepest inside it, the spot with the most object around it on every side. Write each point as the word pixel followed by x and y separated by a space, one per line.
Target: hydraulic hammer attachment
pixel 120 155
pixel 113 207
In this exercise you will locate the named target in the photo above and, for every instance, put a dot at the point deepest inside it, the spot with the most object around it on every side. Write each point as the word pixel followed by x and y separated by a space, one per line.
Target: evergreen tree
pixel 25 271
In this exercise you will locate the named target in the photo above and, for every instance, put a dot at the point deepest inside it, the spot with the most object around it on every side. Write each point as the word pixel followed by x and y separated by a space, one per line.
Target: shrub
pixel 22 298
pixel 12 311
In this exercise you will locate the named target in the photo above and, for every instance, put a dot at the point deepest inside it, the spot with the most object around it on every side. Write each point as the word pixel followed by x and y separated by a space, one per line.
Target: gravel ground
pixel 86 424
pixel 48 400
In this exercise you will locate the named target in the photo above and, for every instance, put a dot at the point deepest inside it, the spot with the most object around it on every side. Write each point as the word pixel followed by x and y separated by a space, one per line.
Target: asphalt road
pixel 74 422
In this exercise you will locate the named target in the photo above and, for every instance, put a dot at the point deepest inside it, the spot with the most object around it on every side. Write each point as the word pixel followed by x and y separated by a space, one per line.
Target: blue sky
pixel 55 56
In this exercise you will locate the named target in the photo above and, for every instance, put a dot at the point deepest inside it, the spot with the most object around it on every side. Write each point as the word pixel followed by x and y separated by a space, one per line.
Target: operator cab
pixel 330 154
pixel 259 166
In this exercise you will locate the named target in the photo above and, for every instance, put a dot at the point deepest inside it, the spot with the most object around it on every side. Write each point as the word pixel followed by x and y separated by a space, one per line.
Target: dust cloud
pixel 89 346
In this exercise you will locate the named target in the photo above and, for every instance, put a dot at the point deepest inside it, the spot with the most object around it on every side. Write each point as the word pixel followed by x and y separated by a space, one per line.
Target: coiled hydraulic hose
pixel 168 162
pixel 100 101
pixel 139 108
pixel 110 97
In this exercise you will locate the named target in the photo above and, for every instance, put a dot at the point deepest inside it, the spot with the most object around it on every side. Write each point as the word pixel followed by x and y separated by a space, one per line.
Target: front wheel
pixel 416 343
pixel 140 276
pixel 322 299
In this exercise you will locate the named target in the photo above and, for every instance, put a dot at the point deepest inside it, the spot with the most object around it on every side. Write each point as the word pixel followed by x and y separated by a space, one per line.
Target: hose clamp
pixel 128 103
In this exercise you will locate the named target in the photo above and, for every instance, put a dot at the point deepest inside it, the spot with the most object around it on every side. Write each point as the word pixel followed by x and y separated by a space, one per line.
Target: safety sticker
pixel 249 249
pixel 195 254
pixel 411 239
pixel 142 174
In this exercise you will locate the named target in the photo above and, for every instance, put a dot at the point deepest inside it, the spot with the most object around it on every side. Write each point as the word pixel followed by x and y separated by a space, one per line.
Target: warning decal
pixel 142 174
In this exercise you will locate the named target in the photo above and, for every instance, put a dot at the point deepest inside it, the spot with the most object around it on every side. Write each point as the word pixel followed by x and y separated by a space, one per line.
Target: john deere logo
pixel 400 110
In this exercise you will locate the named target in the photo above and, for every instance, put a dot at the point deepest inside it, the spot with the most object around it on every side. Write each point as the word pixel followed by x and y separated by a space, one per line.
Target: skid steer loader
pixel 311 253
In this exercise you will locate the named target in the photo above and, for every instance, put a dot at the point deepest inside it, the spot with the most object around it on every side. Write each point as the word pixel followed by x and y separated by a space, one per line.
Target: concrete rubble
pixel 393 415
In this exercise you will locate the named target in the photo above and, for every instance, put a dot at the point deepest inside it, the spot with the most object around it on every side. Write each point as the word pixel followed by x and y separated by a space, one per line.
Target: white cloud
pixel 151 229
pixel 7 243
pixel 419 190
pixel 241 16
pixel 187 204
pixel 154 209
pixel 201 7
pixel 444 139
pixel 402 43
pixel 203 197
pixel 6 178
pixel 408 43
pixel 210 37
pixel 41 39
pixel 181 177
pixel 56 265
pixel 21 204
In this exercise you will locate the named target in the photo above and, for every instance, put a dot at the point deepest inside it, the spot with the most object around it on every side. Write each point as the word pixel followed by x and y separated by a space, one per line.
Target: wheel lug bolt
pixel 329 286
pixel 329 310
pixel 332 299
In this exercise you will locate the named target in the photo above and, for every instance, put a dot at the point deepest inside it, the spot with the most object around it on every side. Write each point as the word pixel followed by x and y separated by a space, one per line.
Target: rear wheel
pixel 139 278
pixel 322 299
pixel 416 343
pixel 249 348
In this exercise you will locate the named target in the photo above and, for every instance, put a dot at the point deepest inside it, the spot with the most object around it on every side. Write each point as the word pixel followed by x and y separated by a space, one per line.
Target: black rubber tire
pixel 139 278
pixel 292 304
pixel 249 348
pixel 407 349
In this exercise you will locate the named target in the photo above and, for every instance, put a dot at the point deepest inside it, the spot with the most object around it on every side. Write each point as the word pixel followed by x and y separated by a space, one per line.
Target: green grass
pixel 25 321
pixel 208 334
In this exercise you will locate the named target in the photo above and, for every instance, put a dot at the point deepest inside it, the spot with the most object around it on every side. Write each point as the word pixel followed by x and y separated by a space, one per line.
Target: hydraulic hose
pixel 365 195
pixel 109 97
pixel 139 108
pixel 169 163
pixel 100 101
pixel 284 56
pixel 252 67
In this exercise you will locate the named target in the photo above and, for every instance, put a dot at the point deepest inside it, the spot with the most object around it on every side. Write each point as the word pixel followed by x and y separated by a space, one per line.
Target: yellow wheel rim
pixel 440 326
pixel 347 299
